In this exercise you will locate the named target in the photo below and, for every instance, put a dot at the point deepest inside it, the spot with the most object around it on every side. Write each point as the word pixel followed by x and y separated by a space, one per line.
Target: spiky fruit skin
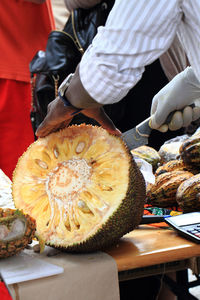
pixel 190 152
pixel 188 194
pixel 163 192
pixel 108 205
pixel 149 154
pixel 15 246
pixel 172 165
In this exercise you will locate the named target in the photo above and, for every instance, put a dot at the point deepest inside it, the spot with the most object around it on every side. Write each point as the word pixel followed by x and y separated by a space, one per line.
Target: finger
pixel 187 116
pixel 176 121
pixel 163 128
pixel 195 113
pixel 102 118
pixel 64 124
pixel 154 105
pixel 153 123
pixel 161 111
pixel 43 130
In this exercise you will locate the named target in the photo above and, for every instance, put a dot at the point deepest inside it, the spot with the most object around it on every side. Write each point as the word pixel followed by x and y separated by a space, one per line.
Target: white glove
pixel 180 92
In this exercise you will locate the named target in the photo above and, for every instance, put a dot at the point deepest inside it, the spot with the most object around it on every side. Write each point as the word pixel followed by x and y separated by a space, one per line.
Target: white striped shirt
pixel 136 33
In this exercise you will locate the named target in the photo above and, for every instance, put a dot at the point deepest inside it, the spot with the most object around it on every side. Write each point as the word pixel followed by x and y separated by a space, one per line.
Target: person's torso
pixel 189 32
pixel 24 29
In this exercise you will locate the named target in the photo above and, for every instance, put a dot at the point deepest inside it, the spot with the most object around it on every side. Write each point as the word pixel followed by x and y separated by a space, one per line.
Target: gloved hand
pixel 180 92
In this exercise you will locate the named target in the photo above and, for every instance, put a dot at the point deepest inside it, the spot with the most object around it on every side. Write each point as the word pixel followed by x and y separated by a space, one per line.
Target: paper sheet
pixel 86 277
pixel 24 267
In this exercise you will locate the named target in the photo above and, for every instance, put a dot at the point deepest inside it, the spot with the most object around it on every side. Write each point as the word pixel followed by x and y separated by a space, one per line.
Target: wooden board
pixel 149 245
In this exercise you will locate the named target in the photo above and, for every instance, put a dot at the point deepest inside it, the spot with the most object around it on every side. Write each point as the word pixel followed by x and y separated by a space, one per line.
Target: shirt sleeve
pixel 136 34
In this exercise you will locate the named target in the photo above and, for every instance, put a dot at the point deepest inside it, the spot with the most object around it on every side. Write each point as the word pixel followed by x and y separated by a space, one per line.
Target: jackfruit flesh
pixel 81 186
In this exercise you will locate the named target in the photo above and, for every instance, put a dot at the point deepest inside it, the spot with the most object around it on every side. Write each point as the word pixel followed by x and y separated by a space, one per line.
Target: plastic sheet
pixel 170 149
pixel 146 170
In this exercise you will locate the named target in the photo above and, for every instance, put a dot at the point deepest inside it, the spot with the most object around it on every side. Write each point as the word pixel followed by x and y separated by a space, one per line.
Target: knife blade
pixel 139 135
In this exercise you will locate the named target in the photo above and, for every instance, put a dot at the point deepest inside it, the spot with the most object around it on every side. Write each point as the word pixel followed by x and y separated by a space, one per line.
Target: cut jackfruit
pixel 16 231
pixel 82 186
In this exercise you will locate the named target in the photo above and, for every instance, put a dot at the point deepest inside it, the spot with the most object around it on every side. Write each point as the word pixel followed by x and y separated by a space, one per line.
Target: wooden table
pixel 143 252
pixel 149 245
pixel 149 250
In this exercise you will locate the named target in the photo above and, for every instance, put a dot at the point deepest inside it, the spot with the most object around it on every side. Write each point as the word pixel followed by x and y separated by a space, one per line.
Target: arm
pixel 115 61
pixel 73 4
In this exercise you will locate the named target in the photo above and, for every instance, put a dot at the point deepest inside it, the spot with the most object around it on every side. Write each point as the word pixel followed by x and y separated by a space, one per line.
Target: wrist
pixel 191 77
pixel 64 99
pixel 62 94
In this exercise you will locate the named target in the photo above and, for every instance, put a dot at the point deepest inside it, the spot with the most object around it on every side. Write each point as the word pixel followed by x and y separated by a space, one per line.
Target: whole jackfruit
pixel 82 186
pixel 16 231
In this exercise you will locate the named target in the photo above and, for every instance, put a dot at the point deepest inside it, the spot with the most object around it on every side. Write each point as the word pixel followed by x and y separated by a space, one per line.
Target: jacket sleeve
pixel 73 4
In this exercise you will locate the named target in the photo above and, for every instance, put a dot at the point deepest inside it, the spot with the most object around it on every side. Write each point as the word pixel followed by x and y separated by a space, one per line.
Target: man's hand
pixel 59 116
pixel 176 96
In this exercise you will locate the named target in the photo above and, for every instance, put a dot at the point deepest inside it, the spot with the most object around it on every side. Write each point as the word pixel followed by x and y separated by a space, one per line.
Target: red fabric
pixel 4 294
pixel 24 30
pixel 16 132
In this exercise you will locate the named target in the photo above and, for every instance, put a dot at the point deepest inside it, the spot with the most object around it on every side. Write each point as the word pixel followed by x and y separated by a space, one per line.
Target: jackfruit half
pixel 82 187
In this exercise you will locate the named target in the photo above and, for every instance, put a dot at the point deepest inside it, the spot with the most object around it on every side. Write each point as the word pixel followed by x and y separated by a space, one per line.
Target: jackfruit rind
pixel 82 186
pixel 16 231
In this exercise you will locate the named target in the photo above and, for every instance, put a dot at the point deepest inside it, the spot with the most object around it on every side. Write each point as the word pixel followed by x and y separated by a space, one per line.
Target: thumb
pixel 103 119
pixel 160 115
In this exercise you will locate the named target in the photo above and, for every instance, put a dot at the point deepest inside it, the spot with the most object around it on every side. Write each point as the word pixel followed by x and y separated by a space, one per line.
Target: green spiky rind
pixel 126 218
pixel 11 248
pixel 17 214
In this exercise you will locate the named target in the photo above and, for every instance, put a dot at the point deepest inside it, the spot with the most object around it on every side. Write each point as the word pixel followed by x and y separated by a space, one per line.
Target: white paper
pixel 146 170
pixel 6 200
pixel 24 267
